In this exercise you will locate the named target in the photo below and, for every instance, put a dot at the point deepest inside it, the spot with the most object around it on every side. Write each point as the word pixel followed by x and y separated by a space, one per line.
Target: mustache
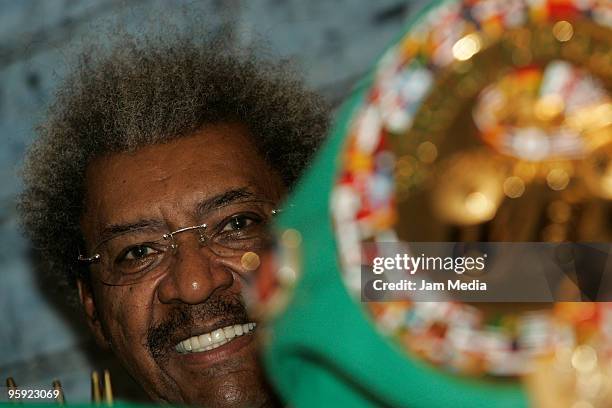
pixel 162 337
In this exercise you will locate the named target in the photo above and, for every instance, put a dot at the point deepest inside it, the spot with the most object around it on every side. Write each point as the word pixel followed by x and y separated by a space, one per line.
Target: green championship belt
pixel 480 111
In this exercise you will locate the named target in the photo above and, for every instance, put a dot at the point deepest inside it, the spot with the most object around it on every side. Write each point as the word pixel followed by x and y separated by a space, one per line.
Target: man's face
pixel 159 189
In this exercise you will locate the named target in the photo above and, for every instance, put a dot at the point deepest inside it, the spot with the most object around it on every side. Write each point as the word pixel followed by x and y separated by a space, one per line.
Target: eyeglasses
pixel 229 232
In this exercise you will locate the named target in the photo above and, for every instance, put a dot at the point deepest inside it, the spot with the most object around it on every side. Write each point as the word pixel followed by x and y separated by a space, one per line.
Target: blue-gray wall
pixel 333 44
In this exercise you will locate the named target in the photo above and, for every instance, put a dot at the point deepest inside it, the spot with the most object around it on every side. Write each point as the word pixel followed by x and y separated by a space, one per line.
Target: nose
pixel 195 275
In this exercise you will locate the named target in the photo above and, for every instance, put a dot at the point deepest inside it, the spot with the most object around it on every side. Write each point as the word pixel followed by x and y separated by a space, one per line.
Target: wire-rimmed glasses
pixel 228 231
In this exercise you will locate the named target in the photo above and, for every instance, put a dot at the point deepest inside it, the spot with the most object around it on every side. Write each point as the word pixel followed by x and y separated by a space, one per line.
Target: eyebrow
pixel 227 197
pixel 113 230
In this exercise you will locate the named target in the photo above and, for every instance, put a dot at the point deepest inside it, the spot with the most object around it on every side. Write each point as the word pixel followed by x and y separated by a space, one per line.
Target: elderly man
pixel 156 171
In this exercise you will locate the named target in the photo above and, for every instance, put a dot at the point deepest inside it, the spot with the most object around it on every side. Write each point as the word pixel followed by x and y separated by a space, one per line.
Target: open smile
pixel 216 338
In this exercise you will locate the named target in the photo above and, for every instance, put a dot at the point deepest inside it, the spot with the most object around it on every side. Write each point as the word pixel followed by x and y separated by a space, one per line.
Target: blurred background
pixel 333 44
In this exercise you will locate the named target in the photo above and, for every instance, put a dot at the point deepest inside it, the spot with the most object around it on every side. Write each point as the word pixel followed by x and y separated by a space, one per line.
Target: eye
pixel 137 253
pixel 238 222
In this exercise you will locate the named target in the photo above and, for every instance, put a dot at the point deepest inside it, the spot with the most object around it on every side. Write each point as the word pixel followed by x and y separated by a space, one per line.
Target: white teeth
pixel 229 332
pixel 195 342
pixel 205 340
pixel 217 338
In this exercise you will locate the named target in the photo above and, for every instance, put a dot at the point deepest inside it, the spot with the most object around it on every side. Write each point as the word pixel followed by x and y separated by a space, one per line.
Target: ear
pixel 86 298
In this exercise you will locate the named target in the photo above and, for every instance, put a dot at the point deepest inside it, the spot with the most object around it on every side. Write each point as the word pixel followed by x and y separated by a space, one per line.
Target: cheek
pixel 127 316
